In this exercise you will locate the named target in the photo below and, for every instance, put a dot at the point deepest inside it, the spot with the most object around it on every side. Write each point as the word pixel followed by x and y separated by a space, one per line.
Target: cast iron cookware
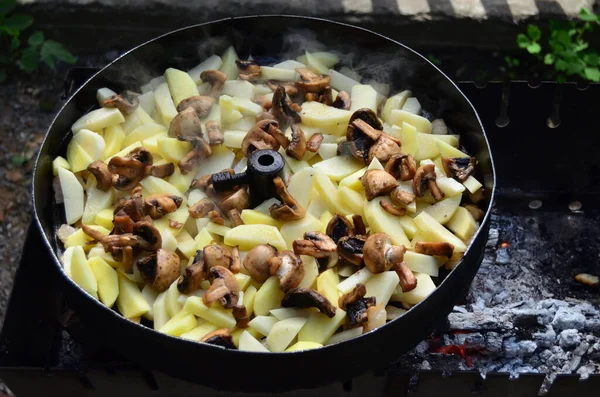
pixel 268 39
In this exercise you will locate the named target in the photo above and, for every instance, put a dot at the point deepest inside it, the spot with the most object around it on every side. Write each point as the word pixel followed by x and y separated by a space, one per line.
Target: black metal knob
pixel 263 167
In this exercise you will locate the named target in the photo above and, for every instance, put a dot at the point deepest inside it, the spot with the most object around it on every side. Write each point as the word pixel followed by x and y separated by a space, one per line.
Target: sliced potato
pixel 338 167
pixel 382 286
pixel 394 102
pixel 425 286
pixel 433 228
pixel 263 324
pixel 229 67
pixel 472 184
pixel 215 314
pixel 330 195
pixel 311 271
pixel 213 62
pixel 397 117
pixel 249 343
pixel 360 277
pixel 159 311
pixel 181 85
pixel 199 332
pixel 443 210
pixel 98 119
pixel 381 221
pixel 268 296
pixel 421 263
pixel 462 224
pixel 164 104
pixel 247 237
pixel 319 328
pixel 130 302
pixel 363 96
pixel 72 192
pixel 316 114
pixel 280 74
pixel 303 345
pixel 82 273
pixel 283 332
pixel 327 284
pixel 179 324
pixel 297 186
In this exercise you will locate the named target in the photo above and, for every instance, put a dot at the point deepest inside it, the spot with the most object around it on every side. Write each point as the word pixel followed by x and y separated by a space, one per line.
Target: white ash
pixel 513 321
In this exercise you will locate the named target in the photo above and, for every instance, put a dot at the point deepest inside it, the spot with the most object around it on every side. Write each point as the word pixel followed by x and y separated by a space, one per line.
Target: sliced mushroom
pixel 342 101
pixel 475 211
pixel 236 217
pixel 160 269
pixel 325 96
pixel 425 178
pixel 314 142
pixel 392 209
pixel 224 287
pixel 213 130
pixel 102 174
pixel 186 123
pixel 216 217
pixel 305 297
pixel 241 316
pixel 401 166
pixel 220 337
pixel 283 109
pixel 311 81
pixel 379 254
pixel 149 233
pixel 132 207
pixel 288 267
pixel 357 293
pixel 408 281
pixel 264 116
pixel 202 208
pixel 129 170
pixel 459 168
pixel 383 148
pixel 256 262
pixel 122 224
pixel 359 225
pixel 259 138
pixel 158 205
pixel 290 88
pixel 357 312
pixel 366 115
pixel 161 171
pixel 437 248
pixel 338 227
pixel 239 200
pixel 125 105
pixel 193 275
pixel 216 255
pixel 297 146
pixel 363 129
pixel 249 70
pixel 319 246
pixel 265 104
pixel 216 79
pixel 377 183
pixel 400 196
pixel 289 209
pixel 201 150
pixel 351 249
pixel 174 224
pixel 367 129
pixel 358 148
pixel 200 103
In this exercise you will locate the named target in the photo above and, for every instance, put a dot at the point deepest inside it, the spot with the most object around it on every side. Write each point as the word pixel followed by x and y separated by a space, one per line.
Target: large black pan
pixel 269 37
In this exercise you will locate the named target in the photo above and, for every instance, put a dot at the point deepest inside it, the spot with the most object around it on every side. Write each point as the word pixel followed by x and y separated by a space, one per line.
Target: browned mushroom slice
pixel 239 200
pixel 201 208
pixel 150 235
pixel 357 293
pixel 174 224
pixel 392 209
pixel 249 70
pixel 186 123
pixel 216 79
pixel 258 137
pixel 241 316
pixel 459 168
pixel 132 207
pixel 475 211
pixel 400 196
pixel 319 246
pixel 288 268
pixel 366 115
pixel 338 227
pixel 236 217
pixel 216 217
pixel 160 269
pixel 127 259
pixel 401 166
pixel 305 297
pixel 265 104
pixel 311 81
pixel 297 146
pixel 342 101
pixel 289 209
pixel 357 311
pixel 290 88
pixel 282 109
pixel 377 183
pixel 126 105
pixel 161 171
pixel 236 260
pixel 201 149
pixel 264 116
pixel 220 337
pixel 351 249
pixel 213 130
pixel 200 103
pixel 359 225
pixel 408 281
pixel 224 287
pixel 383 148
pixel 379 254
pixel 436 248
pixel 425 179
pixel 366 129
pixel 122 224
pixel 126 171
pixel 324 96
pixel 193 275
pixel 256 262
pixel 216 255
pixel 158 205
pixel 358 148
pixel 314 142
pixel 102 174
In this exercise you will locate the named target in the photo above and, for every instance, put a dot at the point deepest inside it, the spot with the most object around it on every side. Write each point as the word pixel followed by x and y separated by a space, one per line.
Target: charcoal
pixel 567 319
pixel 569 339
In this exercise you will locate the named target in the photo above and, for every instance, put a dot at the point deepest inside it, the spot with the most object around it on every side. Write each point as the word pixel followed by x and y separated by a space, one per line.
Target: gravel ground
pixel 28 106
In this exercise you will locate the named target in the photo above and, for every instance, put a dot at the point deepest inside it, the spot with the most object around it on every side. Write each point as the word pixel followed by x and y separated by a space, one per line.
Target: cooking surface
pixel 525 315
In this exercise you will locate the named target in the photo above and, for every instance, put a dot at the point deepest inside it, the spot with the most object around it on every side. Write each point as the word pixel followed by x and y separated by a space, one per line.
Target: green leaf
pixel 522 40
pixel 534 48
pixel 3 76
pixel 574 68
pixel 549 59
pixel 15 42
pixel 29 60
pixel 562 36
pixel 18 159
pixel 560 65
pixel 18 21
pixel 580 46
pixel 52 50
pixel 592 74
pixel 534 32
pixel 6 6
pixel 516 62
pixel 586 15
pixel 36 39
pixel 591 59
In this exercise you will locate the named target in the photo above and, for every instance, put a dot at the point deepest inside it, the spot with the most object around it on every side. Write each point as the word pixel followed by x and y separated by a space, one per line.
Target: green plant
pixel 25 54
pixel 566 50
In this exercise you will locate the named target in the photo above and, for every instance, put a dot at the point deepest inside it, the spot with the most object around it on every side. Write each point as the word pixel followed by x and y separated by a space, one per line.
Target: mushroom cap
pixel 377 183
pixel 357 311
pixel 201 104
pixel 311 81
pixel 315 244
pixel 288 267
pixel 214 77
pixel 366 115
pixel 424 174
pixel 289 209
pixel 297 146
pixel 186 124
pixel 305 298
pixel 239 200
pixel 224 287
pixel 103 176
pixel 125 105
pixel 351 249
pixel 220 337
pixel 257 263
pixel 160 269
pixel 357 293
pixel 342 101
pixel 258 137
pixel 216 255
pixel 150 234
pixel 338 227
pixel 375 252
pixel 359 224
pixel 192 276
pixel 383 149
pixel 459 168
pixel 282 109
pixel 158 205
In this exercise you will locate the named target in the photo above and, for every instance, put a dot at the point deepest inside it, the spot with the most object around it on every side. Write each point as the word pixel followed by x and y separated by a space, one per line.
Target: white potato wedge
pixel 102 94
pixel 319 328
pixel 421 263
pixel 268 297
pixel 73 198
pixel 165 107
pixel 315 64
pixel 253 217
pixel 327 59
pixel 451 140
pixel 344 335
pixel 341 82
pixel 215 314
pixel 449 186
pixel 294 230
pixel 298 184
pixel 443 210
pixel 327 150
pixel 394 102
pixel 447 150
pixel 156 185
pixel 290 64
pixel 91 142
pixel 229 67
pixel 159 311
pixel 280 74
pixel 427 147
pixel 284 332
pixel 330 195
pixel 97 200
pixel 98 119
pixel 327 283
pixel 382 286
pixel 423 125
pixel 82 273
pixel 363 96
pixel 412 105
pixel 181 85
pixel 147 102
pixel 248 301
pixel 143 132
pixel 179 324
pixel 354 200
pixel 60 162
pixel 433 228
pixel 353 181
pixel 221 158
pixel 303 345
pixel 245 106
pixel 247 237
pixel 213 62
pixel 316 114
pixel 150 295
pixel 199 332
pixel 425 286
pixel 239 88
pixel 381 221
pixel 130 302
pixel 360 277
pixel 113 138
pixel 472 184
pixel 265 205
pixel 311 271
pixel 263 324
pixel 172 300
pixel 250 344
pixel 462 224
pixel 228 113
pixel 284 313
pixel 338 167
